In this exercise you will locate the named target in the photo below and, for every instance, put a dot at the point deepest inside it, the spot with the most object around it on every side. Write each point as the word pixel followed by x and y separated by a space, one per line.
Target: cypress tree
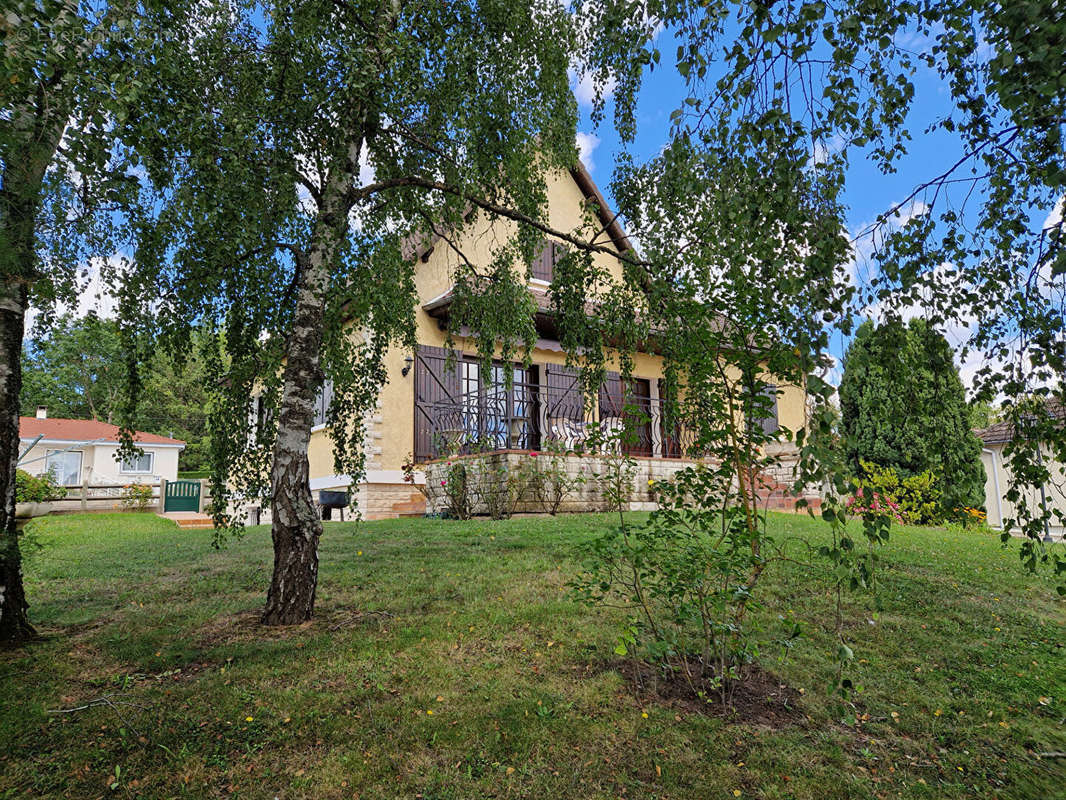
pixel 903 406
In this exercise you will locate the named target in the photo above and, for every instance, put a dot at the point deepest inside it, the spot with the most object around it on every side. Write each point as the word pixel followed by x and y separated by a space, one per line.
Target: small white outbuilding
pixel 998 476
pixel 79 451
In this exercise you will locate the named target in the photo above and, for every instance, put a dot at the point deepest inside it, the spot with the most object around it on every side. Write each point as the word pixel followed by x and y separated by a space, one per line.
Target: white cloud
pixel 1054 217
pixel 586 144
pixel 584 86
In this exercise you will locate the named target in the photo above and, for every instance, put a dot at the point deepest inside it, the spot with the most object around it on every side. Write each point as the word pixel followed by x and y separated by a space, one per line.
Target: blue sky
pixel 869 191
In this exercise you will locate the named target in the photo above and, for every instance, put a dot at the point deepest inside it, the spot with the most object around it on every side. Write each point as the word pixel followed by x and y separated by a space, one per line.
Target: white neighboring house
pixel 83 451
pixel 998 475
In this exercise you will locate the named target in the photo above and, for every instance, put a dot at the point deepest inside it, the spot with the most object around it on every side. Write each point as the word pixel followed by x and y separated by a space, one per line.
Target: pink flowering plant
pixel 873 506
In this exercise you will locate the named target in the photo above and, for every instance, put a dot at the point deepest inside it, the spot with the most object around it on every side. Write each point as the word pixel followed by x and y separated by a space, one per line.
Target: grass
pixel 448 661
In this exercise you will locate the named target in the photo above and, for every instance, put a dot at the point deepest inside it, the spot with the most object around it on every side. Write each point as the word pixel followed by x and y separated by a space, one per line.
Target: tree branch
pixel 416 181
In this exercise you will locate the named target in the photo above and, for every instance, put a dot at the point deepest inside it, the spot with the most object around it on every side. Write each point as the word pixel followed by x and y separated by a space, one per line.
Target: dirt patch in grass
pixel 760 699
pixel 243 626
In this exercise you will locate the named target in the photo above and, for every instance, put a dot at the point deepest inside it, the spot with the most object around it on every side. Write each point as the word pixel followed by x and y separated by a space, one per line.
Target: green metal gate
pixel 182 496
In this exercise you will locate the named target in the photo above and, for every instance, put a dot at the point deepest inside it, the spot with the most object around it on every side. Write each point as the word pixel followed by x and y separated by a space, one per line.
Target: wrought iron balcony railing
pixel 530 416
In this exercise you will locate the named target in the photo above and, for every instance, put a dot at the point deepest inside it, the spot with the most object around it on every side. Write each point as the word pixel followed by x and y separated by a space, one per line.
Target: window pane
pixel 65 467
pixel 141 463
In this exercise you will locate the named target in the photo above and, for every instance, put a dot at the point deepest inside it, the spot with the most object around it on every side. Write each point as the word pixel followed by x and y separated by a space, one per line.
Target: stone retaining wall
pixel 775 484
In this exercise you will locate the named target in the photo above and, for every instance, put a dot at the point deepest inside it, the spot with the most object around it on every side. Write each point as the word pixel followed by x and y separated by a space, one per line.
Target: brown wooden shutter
pixel 612 398
pixel 769 422
pixel 436 390
pixel 323 400
pixel 543 262
pixel 563 393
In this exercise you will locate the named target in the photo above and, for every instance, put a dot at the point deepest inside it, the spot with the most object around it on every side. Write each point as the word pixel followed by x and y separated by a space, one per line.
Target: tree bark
pixel 296 527
pixel 15 626
pixel 20 187
pixel 19 201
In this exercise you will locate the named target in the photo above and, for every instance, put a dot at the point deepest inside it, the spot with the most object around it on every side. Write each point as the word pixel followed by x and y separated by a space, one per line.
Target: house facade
pixel 84 451
pixel 433 406
pixel 999 507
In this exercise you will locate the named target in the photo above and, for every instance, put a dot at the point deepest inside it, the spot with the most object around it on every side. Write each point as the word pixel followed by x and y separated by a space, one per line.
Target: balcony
pixel 531 416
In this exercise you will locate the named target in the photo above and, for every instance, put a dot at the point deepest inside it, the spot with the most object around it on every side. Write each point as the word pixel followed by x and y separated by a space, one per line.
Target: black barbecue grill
pixel 330 500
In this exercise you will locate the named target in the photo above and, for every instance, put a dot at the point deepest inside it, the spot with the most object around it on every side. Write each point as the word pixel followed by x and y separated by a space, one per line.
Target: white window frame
pixel 81 463
pixel 151 465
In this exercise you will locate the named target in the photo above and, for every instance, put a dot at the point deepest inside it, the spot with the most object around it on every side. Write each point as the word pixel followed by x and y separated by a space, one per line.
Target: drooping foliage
pixel 65 190
pixel 903 406
pixel 741 261
pixel 327 144
pixel 978 244
pixel 76 369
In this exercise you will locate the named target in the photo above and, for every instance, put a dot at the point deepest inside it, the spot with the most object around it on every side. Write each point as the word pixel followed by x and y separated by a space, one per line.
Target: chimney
pixel 42 412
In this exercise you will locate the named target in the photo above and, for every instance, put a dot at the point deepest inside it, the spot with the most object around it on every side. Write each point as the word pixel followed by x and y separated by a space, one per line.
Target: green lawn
pixel 448 661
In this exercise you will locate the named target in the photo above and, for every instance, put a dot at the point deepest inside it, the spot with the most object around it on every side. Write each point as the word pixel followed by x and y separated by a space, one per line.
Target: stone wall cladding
pixel 775 487
pixel 390 500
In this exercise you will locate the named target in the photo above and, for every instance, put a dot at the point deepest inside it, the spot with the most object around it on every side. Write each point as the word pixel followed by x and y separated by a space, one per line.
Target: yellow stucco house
pixel 423 403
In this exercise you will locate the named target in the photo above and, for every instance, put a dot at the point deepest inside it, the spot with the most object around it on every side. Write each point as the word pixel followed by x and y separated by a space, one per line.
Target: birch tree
pixel 64 87
pixel 976 246
pixel 324 141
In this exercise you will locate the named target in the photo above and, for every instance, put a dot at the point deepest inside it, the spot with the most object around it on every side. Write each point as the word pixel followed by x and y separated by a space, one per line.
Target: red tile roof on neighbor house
pixel 82 430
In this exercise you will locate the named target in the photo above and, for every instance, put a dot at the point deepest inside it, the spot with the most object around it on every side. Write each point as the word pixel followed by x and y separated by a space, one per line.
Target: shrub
pixel 547 478
pixel 408 469
pixel 918 498
pixel 903 406
pixel 873 506
pixel 690 574
pixel 498 489
pixel 618 468
pixel 137 496
pixel 456 485
pixel 37 488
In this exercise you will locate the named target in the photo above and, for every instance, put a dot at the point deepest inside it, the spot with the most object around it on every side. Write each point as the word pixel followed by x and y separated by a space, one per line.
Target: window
pixel 323 400
pixel 543 267
pixel 65 466
pixel 495 416
pixel 138 464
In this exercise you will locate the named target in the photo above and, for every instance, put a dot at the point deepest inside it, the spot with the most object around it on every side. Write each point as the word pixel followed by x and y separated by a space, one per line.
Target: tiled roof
pixel 1003 432
pixel 83 430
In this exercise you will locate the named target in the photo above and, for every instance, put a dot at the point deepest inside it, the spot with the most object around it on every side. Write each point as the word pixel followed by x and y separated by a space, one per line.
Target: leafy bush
pixel 903 406
pixel 690 574
pixel 37 488
pixel 547 478
pixel 917 498
pixel 456 483
pixel 872 506
pixel 498 488
pixel 137 496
